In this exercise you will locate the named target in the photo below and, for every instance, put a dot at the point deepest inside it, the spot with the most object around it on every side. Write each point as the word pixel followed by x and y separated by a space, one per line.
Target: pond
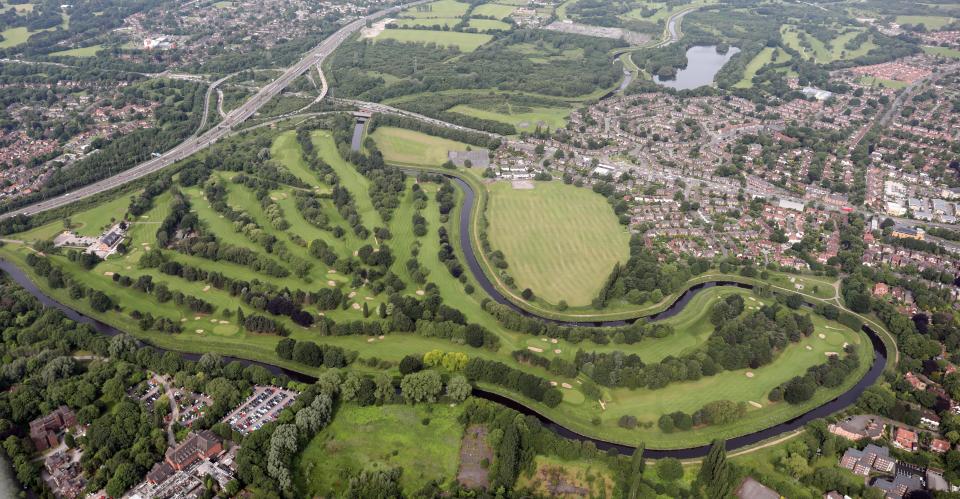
pixel 703 63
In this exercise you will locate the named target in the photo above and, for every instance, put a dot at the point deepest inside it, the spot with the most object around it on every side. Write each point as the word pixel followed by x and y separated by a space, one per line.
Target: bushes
pixel 260 324
pixel 311 354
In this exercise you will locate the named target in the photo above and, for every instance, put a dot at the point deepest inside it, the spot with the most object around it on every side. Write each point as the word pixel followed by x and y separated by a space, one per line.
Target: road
pixel 206 101
pixel 385 109
pixel 235 117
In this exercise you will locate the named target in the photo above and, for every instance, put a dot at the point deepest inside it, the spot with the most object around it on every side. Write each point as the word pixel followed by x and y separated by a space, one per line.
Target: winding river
pixel 839 403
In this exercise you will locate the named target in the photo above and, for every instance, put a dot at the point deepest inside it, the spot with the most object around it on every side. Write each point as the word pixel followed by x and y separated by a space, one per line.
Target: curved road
pixel 195 144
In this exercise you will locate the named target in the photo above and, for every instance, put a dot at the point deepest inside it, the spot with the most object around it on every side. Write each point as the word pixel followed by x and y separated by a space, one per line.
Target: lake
pixel 703 63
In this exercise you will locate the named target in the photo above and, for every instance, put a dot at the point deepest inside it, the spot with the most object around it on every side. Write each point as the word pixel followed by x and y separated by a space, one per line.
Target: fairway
pixel 820 52
pixel 466 42
pixel 13 37
pixel 524 119
pixel 400 145
pixel 381 438
pixel 428 21
pixel 560 241
pixel 766 56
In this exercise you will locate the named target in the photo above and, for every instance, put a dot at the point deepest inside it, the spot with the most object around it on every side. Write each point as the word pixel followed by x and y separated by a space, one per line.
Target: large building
pixel 872 457
pixel 44 430
pixel 197 446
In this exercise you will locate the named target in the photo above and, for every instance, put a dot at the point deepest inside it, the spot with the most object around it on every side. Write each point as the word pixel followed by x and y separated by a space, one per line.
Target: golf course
pixel 559 240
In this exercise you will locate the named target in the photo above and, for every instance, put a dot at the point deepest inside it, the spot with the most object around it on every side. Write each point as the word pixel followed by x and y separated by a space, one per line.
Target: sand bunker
pixel 553 383
pixel 206 288
pixel 566 385
pixel 331 283
pixel 371 340
pixel 831 354
pixel 421 292
pixel 749 374
pixel 332 271
pixel 556 351
pixel 822 336
pixel 758 406
pixel 602 405
pixel 199 331
pixel 553 340
pixel 352 294
pixel 535 349
pixel 108 274
pixel 224 322
pixel 356 306
pixel 381 336
pixel 809 347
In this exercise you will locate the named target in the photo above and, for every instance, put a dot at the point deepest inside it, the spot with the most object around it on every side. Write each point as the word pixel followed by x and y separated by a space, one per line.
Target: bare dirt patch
pixel 375 28
pixel 473 451
pixel 525 185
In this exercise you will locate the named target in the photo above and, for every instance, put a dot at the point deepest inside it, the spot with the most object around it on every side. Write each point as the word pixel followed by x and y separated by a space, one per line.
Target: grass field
pixel 821 53
pixel 414 148
pixel 467 42
pixel 440 8
pixel 428 21
pixel 80 52
pixel 942 51
pixel 561 241
pixel 487 25
pixel 494 9
pixel 524 120
pixel 931 22
pixel 381 438
pixel 881 82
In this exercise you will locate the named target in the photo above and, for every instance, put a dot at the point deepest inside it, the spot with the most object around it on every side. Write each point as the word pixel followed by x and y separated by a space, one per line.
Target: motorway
pixel 197 143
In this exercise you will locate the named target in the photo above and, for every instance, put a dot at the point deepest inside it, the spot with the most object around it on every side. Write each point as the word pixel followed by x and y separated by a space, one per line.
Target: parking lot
pixel 261 408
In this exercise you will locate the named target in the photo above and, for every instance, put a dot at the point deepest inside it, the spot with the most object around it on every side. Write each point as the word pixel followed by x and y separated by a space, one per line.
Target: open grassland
pixel 942 51
pixel 80 52
pixel 560 241
pixel 408 147
pixel 381 438
pixel 487 25
pixel 766 56
pixel 440 8
pixel 820 52
pixel 466 42
pixel 931 22
pixel 550 471
pixel 494 9
pixel 524 119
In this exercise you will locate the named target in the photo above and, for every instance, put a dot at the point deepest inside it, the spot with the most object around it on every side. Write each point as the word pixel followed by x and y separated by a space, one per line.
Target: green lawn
pixel 561 241
pixel 381 438
pixel 931 22
pixel 400 145
pixel 942 51
pixel 466 42
pixel 80 52
pixel 488 25
pixel 440 8
pixel 493 9
pixel 525 119
pixel 428 21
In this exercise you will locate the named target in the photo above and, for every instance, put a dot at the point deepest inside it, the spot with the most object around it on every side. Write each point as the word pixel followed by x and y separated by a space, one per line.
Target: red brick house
pixel 44 430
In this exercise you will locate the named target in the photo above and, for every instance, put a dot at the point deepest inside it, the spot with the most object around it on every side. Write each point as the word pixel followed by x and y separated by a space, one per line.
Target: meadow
pixel 525 119
pixel 560 241
pixel 80 52
pixel 931 22
pixel 440 8
pixel 487 25
pixel 466 42
pixel 494 9
pixel 381 437
pixel 942 51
